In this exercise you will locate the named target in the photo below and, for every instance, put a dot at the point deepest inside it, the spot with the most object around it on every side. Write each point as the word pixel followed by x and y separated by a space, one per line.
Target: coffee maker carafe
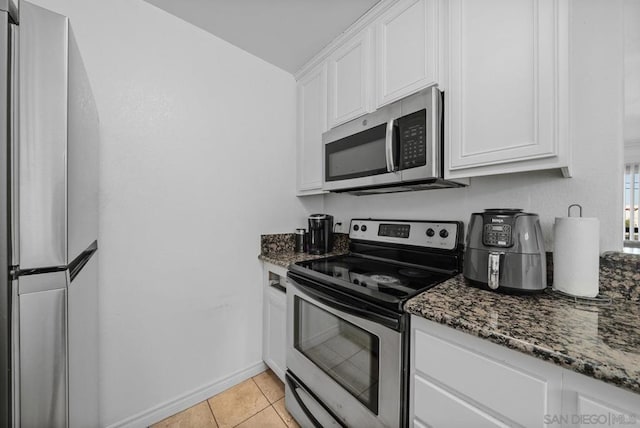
pixel 320 233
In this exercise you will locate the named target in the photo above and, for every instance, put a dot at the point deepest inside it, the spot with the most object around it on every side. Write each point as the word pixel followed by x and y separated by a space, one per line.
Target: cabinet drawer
pixel 440 408
pixel 515 394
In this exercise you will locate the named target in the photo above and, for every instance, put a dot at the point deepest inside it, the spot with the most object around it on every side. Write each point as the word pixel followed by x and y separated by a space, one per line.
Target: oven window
pixel 342 350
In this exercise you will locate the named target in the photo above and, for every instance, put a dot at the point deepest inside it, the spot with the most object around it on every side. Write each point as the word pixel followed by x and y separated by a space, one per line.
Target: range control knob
pixel 430 232
pixel 356 227
pixel 444 233
pixel 363 228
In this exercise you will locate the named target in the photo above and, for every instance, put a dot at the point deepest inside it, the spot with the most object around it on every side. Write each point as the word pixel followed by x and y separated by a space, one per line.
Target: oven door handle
pixel 349 309
pixel 295 385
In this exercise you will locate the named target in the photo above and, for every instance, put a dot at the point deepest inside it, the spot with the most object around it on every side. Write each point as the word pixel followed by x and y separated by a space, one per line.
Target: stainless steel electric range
pixel 347 334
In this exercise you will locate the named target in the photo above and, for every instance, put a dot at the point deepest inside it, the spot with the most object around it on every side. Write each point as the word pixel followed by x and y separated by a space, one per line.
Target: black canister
pixel 320 233
pixel 301 240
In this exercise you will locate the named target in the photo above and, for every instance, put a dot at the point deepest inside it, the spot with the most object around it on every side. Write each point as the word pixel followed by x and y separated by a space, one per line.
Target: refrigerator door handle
pixel 14 159
pixel 75 267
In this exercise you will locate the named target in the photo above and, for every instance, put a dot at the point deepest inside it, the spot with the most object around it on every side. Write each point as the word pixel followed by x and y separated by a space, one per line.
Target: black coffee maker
pixel 320 233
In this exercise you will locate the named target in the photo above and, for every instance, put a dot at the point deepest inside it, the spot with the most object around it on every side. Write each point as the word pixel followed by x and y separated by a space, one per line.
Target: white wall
pixel 197 160
pixel 596 133
pixel 632 80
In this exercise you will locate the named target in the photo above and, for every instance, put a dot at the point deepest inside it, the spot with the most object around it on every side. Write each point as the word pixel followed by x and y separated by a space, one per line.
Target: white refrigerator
pixel 48 224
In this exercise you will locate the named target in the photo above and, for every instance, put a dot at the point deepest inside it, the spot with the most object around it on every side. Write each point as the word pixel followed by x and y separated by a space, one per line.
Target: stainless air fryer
pixel 320 233
pixel 505 251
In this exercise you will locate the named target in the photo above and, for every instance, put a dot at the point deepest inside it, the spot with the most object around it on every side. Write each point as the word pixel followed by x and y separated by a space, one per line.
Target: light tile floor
pixel 255 403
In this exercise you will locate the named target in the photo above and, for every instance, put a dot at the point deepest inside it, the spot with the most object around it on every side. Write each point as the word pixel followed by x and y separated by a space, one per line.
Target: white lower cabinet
pixel 274 319
pixel 447 409
pixel 589 402
pixel 459 380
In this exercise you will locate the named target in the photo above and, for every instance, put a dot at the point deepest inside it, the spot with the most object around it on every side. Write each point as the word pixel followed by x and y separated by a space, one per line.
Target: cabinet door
pixel 276 327
pixel 507 86
pixel 440 408
pixel 274 318
pixel 312 122
pixel 466 381
pixel 406 49
pixel 350 79
pixel 591 402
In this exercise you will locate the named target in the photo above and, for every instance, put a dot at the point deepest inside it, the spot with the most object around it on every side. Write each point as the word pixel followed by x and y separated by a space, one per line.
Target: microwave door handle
pixel 391 167
pixel 437 147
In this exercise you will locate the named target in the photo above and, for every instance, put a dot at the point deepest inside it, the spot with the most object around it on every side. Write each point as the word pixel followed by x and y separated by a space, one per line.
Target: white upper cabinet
pixel 311 123
pixel 407 42
pixel 503 66
pixel 350 80
pixel 506 97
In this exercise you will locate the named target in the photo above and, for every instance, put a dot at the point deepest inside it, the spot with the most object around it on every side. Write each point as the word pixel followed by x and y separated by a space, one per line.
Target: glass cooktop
pixel 385 282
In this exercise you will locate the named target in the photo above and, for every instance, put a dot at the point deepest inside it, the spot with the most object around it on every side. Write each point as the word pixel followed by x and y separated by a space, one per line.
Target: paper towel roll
pixel 576 256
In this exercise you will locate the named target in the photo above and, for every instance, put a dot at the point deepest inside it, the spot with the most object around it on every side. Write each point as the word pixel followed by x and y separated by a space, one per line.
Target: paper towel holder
pixel 576 254
pixel 574 205
pixel 599 300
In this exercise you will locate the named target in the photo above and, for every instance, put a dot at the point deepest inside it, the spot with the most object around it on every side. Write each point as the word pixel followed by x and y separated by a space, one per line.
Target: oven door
pixel 346 360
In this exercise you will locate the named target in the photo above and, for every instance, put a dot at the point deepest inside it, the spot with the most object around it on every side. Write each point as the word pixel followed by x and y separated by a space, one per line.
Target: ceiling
pixel 285 33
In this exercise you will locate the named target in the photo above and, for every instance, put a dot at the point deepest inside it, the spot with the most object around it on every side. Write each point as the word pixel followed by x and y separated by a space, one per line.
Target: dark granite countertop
pixel 286 258
pixel 278 249
pixel 602 342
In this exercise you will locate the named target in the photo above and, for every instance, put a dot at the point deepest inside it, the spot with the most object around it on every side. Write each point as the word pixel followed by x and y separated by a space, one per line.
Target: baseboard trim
pixel 182 402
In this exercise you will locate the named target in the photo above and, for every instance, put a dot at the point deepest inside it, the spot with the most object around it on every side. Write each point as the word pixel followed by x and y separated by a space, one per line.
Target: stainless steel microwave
pixel 397 148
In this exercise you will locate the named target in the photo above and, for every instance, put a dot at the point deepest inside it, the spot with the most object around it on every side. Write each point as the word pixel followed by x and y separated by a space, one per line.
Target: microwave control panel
pixel 413 137
pixel 442 235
